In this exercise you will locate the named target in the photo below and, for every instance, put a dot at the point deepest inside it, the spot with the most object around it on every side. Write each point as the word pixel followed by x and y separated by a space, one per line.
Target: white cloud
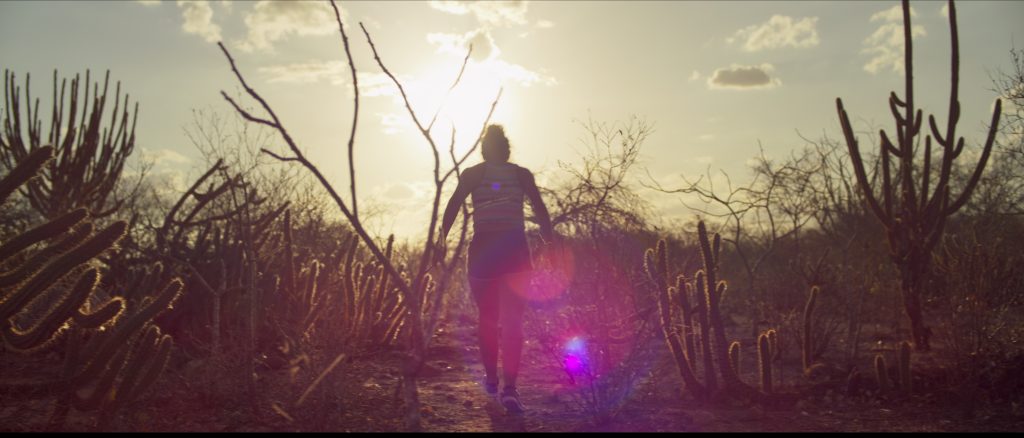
pixel 199 20
pixel 779 31
pixel 270 21
pixel 394 123
pixel 148 2
pixel 544 24
pixel 744 77
pixel 485 54
pixel 307 72
pixel 944 10
pixel 885 45
pixel 518 74
pixel 491 13
pixel 483 44
pixel 371 84
pixel 165 156
pixel 694 76
pixel 706 137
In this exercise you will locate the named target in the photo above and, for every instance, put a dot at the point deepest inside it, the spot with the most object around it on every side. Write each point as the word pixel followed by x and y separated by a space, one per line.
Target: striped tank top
pixel 498 200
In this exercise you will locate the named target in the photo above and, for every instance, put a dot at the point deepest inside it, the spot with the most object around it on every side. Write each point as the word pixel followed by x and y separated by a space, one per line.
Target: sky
pixel 717 80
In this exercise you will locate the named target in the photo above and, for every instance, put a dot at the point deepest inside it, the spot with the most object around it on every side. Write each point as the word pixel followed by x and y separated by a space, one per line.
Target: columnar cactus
pixel 806 344
pixel 906 381
pixel 912 211
pixel 881 373
pixel 764 356
pixel 109 358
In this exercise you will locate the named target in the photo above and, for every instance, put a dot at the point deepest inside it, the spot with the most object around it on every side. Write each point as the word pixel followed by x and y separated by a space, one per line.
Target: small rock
pixel 468 403
pixel 427 411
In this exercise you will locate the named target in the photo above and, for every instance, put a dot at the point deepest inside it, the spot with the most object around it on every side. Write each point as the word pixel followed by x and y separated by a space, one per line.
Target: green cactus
pixel 289 254
pixel 708 292
pixel 683 291
pixel 39 259
pixel 734 356
pixel 881 374
pixel 806 343
pixel 765 362
pixel 906 382
pixel 26 169
pixel 90 376
pixel 48 230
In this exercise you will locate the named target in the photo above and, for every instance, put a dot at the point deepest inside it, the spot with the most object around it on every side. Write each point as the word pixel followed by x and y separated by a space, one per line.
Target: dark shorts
pixel 493 254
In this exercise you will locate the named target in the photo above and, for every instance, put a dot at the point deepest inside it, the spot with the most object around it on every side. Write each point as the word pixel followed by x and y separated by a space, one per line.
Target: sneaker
pixel 491 388
pixel 510 400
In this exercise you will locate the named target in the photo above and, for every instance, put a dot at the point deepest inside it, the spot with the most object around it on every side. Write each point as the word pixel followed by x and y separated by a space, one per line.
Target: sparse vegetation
pixel 838 287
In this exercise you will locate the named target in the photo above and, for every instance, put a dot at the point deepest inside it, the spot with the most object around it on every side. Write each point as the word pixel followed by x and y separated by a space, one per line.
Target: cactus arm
pixel 59 268
pixel 106 314
pixel 39 259
pixel 26 169
pixel 52 228
pixel 50 325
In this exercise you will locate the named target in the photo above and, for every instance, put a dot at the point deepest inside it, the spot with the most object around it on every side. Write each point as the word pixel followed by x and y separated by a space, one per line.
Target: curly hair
pixel 495 144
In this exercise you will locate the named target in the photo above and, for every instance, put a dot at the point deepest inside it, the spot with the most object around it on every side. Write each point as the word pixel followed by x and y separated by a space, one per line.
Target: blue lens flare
pixel 575 355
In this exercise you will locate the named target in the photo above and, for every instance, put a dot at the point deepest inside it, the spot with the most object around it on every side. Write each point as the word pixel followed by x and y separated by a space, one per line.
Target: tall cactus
pixel 912 211
pixel 88 157
pixel 881 373
pixel 906 381
pixel 806 343
pixel 714 348
pixel 684 356
pixel 764 356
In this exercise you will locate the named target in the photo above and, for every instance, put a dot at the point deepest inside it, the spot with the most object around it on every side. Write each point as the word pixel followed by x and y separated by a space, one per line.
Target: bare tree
pixel 413 289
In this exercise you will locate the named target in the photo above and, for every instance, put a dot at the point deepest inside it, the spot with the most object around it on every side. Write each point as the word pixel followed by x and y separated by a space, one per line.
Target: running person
pixel 499 256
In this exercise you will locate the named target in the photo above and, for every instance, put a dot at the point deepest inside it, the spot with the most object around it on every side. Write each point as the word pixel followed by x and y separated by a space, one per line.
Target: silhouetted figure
pixel 499 257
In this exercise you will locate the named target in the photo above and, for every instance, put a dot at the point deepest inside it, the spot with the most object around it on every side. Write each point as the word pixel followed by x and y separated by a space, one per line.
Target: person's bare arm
pixel 467 182
pixel 539 209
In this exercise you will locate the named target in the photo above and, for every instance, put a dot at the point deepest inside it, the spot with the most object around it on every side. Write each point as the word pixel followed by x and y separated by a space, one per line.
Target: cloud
pixel 199 20
pixel 885 45
pixel 334 72
pixel 742 77
pixel 270 21
pixel 944 10
pixel 307 72
pixel 483 44
pixel 491 13
pixel 694 76
pixel 485 54
pixel 148 2
pixel 394 123
pixel 706 137
pixel 544 24
pixel 779 31
pixel 165 156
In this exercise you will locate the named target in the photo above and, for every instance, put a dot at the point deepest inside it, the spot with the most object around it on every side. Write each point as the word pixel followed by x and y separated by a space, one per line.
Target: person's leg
pixel 487 297
pixel 513 304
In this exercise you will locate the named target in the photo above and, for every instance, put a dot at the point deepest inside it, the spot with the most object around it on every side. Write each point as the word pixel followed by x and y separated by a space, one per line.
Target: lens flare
pixel 575 355
pixel 553 273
